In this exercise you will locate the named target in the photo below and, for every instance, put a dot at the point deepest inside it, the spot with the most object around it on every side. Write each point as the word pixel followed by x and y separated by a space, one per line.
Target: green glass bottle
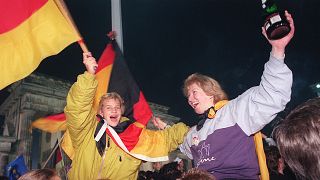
pixel 275 23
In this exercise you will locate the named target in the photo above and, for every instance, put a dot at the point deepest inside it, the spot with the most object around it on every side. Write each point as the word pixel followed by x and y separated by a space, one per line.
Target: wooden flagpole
pixel 53 151
pixel 64 10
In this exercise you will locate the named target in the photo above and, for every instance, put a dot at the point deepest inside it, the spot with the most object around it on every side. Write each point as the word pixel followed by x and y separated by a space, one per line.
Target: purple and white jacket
pixel 225 146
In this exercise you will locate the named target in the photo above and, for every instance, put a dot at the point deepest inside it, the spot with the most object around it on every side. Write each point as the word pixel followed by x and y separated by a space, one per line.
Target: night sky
pixel 167 40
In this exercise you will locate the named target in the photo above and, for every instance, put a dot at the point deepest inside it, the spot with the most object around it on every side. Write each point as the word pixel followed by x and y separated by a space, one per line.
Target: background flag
pixel 52 124
pixel 29 32
pixel 16 168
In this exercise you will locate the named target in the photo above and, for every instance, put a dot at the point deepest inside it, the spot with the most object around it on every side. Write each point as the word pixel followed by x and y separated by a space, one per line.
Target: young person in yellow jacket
pixel 113 162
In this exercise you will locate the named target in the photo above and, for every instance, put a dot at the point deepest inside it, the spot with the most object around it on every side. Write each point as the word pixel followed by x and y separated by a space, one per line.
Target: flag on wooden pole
pixel 113 75
pixel 30 31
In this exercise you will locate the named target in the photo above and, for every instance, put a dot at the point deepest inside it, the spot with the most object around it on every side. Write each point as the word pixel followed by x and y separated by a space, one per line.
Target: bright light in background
pixel 316 88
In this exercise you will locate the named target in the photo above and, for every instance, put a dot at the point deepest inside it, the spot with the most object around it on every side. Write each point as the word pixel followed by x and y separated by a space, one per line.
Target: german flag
pixel 30 30
pixel 122 82
pixel 135 139
pixel 113 75
pixel 52 124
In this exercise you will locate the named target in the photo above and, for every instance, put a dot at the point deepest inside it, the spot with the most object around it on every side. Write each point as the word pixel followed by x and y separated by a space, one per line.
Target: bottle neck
pixel 269 6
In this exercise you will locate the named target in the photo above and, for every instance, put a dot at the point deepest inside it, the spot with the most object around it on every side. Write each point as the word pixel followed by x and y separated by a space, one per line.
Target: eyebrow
pixel 113 106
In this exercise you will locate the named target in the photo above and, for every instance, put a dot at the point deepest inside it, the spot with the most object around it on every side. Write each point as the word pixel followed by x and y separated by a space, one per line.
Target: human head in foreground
pixel 197 174
pixel 41 174
pixel 298 139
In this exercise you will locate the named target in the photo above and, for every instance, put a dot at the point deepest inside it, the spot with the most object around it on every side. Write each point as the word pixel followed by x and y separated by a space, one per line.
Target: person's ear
pixel 101 113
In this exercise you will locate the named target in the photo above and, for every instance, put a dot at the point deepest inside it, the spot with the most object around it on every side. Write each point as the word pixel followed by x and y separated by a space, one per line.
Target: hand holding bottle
pixel 279 45
pixel 275 22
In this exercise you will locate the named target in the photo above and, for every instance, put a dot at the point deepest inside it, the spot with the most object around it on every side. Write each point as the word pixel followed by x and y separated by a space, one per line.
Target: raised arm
pixel 79 110
pixel 259 105
pixel 173 135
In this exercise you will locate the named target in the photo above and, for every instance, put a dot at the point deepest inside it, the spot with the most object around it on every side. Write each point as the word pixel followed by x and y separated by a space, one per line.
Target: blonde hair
pixel 112 95
pixel 210 86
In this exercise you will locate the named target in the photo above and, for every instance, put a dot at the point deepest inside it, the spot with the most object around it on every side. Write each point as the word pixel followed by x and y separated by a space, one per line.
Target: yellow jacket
pixel 81 124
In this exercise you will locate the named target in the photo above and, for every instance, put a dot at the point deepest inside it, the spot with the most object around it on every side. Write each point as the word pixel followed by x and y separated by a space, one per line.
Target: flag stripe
pixel 44 34
pixel 57 117
pixel 104 69
pixel 141 110
pixel 136 107
pixel 122 82
pixel 106 59
pixel 14 12
pixel 52 124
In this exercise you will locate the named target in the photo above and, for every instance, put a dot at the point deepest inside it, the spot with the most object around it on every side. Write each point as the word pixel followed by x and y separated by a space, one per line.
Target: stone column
pixel 24 135
pixel 3 162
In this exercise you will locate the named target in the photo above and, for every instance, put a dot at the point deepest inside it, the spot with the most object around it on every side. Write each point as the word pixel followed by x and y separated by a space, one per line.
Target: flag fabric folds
pixel 113 75
pixel 56 160
pixel 133 139
pixel 16 168
pixel 52 124
pixel 137 108
pixel 122 82
pixel 29 32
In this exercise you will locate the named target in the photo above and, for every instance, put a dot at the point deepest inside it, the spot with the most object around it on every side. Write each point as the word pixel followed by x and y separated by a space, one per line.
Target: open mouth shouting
pixel 194 105
pixel 114 120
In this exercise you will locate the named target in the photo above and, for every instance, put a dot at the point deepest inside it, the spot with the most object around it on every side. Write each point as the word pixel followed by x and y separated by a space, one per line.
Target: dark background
pixel 166 40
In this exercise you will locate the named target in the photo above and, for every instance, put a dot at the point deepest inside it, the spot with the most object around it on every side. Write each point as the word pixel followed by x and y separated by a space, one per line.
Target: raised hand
pixel 90 62
pixel 279 45
pixel 157 122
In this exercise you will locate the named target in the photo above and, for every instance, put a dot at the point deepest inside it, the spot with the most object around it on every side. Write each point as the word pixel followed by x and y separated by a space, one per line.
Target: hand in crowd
pixel 158 123
pixel 90 62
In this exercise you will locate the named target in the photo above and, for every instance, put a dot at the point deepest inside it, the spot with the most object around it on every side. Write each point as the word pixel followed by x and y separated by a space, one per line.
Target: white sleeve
pixel 259 105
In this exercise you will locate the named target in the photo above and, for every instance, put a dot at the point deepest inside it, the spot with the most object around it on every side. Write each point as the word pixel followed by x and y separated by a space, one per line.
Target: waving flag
pixel 52 124
pixel 137 108
pixel 135 139
pixel 112 75
pixel 122 82
pixel 29 32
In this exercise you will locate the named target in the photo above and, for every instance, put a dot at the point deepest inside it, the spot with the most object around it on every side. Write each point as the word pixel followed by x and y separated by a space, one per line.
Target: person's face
pixel 111 111
pixel 157 166
pixel 181 164
pixel 198 99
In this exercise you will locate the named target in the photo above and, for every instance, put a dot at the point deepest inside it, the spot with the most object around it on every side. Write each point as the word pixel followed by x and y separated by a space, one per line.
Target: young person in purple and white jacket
pixel 222 143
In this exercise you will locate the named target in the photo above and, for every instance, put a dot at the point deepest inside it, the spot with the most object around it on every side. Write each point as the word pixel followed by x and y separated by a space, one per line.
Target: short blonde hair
pixel 112 95
pixel 210 86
